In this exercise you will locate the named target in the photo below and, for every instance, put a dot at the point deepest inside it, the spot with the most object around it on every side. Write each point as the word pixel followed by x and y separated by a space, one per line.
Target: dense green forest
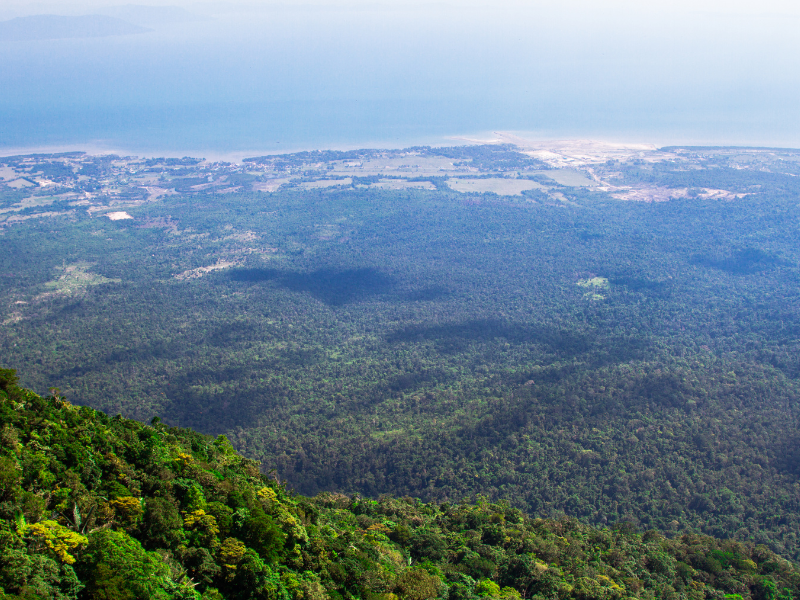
pixel 563 350
pixel 93 507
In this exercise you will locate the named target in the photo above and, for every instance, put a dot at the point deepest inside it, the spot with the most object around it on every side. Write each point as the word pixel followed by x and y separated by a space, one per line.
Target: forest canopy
pixel 95 507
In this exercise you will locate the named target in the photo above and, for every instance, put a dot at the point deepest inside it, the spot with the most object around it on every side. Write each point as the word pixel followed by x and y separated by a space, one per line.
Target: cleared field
pixel 664 194
pixel 20 218
pixel 200 271
pixel 75 277
pixel 594 286
pixel 400 184
pixel 401 166
pixel 19 183
pixel 324 183
pixel 8 174
pixel 497 185
pixel 147 178
pixel 33 201
pixel 269 186
pixel 569 177
pixel 119 215
pixel 408 163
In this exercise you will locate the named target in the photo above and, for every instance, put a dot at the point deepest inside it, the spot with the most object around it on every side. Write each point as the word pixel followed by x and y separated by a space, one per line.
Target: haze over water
pixel 255 78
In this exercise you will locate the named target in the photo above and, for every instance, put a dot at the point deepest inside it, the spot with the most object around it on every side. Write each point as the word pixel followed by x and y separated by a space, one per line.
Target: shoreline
pixel 96 148
pixel 529 140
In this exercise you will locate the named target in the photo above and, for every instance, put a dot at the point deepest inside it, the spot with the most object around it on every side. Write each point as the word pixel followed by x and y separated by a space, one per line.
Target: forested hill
pixel 99 507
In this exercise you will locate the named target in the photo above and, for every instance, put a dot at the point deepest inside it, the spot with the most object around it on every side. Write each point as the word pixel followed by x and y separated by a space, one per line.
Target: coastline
pixel 521 139
pixel 98 148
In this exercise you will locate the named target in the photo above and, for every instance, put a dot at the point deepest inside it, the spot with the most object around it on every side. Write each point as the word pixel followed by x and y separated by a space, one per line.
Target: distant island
pixel 55 27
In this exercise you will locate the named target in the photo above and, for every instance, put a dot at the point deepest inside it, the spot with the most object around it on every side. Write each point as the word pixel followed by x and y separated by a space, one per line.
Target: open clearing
pixel 20 218
pixel 19 183
pixel 323 183
pixel 568 177
pixel 664 194
pixel 564 153
pixel 118 215
pixel 8 174
pixel 36 201
pixel 496 185
pixel 200 271
pixel 269 186
pixel 154 193
pixel 401 184
pixel 409 165
pixel 76 277
pixel 594 285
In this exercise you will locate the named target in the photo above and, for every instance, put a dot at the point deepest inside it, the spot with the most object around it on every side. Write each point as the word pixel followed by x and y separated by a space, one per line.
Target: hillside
pixel 99 507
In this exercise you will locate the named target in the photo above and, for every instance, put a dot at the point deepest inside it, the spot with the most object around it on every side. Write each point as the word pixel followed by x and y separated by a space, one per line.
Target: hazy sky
pixel 257 74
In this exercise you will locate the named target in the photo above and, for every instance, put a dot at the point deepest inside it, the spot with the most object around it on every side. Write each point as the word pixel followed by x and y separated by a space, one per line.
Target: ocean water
pixel 255 79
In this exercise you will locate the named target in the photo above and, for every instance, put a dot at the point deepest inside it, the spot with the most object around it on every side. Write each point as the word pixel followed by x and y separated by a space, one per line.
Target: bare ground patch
pixel 663 194
pixel 154 192
pixel 74 279
pixel 119 215
pixel 269 186
pixel 8 174
pixel 409 165
pixel 402 184
pixel 324 183
pixel 34 201
pixel 19 218
pixel 19 183
pixel 244 236
pixel 497 185
pixel 569 178
pixel 649 194
pixel 201 271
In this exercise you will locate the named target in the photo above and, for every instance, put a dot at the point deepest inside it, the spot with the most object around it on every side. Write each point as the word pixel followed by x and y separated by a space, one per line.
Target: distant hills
pixel 149 16
pixel 109 21
pixel 54 27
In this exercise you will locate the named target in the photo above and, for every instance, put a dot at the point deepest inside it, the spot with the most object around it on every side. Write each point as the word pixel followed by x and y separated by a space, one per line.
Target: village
pixel 45 185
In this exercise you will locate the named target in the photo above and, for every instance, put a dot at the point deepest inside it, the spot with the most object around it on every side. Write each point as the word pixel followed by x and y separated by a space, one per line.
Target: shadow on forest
pixel 455 337
pixel 427 294
pixel 741 262
pixel 331 286
pixel 638 284
pixel 255 275
pixel 588 236
pixel 787 451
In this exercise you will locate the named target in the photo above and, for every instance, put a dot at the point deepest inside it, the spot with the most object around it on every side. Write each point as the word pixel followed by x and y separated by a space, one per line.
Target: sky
pixel 272 76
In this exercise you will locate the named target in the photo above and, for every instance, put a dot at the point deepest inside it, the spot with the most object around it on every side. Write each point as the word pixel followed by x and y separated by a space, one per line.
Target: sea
pixel 251 79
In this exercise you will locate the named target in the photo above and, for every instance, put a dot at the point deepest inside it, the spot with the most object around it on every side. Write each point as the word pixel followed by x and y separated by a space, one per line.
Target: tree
pixel 116 567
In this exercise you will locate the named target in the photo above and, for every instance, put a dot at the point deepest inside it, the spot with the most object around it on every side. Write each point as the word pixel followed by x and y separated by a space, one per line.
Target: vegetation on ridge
pixel 98 507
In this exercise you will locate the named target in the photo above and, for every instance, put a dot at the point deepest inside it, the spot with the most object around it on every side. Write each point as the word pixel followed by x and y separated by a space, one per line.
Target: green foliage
pixel 116 566
pixel 254 540
pixel 32 574
pixel 487 588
